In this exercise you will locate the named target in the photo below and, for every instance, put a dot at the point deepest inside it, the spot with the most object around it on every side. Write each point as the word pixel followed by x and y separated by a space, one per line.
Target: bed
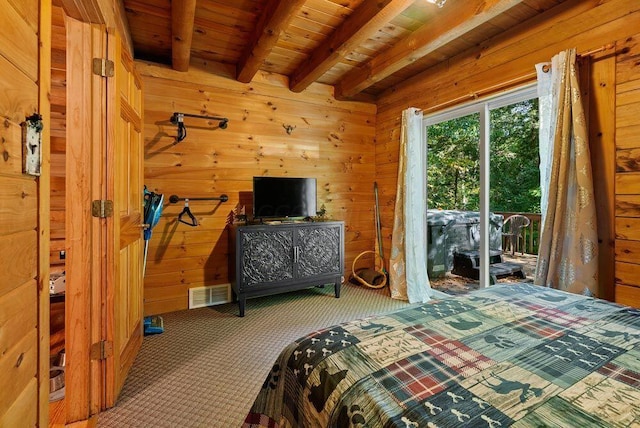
pixel 512 355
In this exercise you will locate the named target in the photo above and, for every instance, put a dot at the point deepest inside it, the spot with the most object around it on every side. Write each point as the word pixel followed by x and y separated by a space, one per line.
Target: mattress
pixel 509 355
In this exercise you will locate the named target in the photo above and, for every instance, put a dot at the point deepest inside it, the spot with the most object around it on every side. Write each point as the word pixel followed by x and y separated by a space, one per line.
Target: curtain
pixel 568 254
pixel 408 278
pixel 547 104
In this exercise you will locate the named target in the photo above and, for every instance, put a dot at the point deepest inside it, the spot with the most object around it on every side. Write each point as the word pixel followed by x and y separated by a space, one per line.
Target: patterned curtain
pixel 568 254
pixel 408 264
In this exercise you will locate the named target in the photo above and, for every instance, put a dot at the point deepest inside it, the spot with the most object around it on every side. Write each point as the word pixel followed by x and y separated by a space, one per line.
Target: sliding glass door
pixel 482 167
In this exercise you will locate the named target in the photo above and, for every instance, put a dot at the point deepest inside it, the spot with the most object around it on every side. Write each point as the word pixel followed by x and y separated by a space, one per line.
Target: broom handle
pixel 378 228
pixel 144 263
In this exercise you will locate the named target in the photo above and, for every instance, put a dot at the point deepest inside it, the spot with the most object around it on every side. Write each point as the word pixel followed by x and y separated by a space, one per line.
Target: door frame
pixel 44 213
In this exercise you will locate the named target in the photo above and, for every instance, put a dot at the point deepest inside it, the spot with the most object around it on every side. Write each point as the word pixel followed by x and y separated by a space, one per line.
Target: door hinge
pixel 102 208
pixel 101 350
pixel 103 67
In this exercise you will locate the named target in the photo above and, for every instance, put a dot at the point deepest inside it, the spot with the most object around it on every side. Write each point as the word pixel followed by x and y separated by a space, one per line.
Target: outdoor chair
pixel 513 228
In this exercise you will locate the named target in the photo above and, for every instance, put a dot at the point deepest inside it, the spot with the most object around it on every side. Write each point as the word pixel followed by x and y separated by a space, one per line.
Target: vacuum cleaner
pixel 152 212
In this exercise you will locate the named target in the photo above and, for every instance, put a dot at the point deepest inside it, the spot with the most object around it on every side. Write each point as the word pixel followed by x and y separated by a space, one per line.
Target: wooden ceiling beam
pixel 453 21
pixel 273 21
pixel 183 13
pixel 361 25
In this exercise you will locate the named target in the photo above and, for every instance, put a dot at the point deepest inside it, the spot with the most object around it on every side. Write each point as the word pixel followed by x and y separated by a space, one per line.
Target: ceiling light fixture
pixel 438 3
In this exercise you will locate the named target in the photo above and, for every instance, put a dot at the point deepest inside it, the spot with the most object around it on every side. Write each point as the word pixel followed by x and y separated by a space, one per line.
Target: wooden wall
pixel 19 216
pixel 627 183
pixel 501 63
pixel 331 140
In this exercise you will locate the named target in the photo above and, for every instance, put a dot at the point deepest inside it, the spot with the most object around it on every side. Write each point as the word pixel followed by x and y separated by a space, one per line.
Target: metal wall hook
pixel 288 128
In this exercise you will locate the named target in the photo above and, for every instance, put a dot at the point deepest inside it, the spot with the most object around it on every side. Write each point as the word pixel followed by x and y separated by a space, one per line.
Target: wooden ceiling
pixel 362 47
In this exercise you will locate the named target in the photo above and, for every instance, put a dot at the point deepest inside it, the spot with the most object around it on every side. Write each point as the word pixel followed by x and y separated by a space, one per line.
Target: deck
pixel 455 284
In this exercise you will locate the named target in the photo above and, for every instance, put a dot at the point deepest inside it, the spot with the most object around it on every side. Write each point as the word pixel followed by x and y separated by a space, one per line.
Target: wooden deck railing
pixel 531 233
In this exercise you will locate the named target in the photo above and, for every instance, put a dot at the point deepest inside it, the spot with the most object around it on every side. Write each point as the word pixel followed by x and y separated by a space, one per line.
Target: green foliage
pixel 453 175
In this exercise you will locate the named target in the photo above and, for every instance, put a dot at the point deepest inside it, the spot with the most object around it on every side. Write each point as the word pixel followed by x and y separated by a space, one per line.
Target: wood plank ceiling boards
pixel 362 47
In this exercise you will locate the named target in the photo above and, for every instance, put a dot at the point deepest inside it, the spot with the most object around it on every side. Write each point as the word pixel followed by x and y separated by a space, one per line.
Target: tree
pixel 453 174
pixel 514 171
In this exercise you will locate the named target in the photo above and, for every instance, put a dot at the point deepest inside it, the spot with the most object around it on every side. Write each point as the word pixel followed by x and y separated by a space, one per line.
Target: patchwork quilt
pixel 512 355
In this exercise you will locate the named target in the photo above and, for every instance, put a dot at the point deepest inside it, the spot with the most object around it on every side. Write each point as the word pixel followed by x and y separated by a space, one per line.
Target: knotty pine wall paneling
pixel 21 224
pixel 506 58
pixel 627 184
pixel 332 141
pixel 597 83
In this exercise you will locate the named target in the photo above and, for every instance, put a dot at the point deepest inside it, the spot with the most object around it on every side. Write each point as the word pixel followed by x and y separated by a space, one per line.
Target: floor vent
pixel 210 295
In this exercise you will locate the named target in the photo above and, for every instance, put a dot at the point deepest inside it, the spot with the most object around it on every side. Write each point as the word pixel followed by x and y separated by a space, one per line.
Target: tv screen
pixel 282 197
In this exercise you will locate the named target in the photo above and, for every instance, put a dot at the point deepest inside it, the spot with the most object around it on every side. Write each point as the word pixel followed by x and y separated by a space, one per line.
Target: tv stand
pixel 277 258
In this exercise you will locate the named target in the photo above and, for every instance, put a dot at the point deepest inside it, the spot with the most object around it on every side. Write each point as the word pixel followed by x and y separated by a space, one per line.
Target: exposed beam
pixel 273 21
pixel 362 24
pixel 183 13
pixel 453 21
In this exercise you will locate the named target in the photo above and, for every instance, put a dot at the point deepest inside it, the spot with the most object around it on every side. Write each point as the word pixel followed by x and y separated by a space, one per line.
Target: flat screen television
pixel 284 197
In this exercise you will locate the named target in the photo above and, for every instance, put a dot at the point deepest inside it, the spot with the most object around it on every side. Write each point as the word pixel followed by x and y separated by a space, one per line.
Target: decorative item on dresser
pixel 276 258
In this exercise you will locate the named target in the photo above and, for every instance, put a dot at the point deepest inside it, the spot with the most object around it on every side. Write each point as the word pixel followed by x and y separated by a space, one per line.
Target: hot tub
pixel 451 231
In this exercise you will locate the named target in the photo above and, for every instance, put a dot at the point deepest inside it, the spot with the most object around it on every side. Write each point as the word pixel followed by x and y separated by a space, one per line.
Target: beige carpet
pixel 209 364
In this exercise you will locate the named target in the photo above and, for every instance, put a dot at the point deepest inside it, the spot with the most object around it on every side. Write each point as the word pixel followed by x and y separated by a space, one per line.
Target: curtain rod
pixel 485 91
pixel 510 83
pixel 546 68
pixel 598 50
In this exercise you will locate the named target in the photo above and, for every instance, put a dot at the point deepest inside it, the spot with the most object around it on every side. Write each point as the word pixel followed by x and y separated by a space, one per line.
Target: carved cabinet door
pixel 267 256
pixel 318 250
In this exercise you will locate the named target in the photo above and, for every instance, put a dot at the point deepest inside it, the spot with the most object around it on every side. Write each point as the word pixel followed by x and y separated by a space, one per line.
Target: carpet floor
pixel 209 364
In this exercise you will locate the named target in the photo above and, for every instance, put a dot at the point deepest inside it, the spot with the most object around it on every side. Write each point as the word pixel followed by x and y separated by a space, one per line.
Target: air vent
pixel 200 297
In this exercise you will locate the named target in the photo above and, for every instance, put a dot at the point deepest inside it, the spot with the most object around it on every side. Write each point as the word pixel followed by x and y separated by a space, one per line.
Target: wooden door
pixel 104 249
pixel 124 242
pixel 85 234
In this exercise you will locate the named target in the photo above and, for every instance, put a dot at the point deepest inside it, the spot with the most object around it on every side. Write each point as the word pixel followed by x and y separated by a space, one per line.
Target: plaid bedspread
pixel 518 355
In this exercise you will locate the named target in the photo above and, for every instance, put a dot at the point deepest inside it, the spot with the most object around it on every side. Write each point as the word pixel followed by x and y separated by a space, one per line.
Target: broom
pixel 378 229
